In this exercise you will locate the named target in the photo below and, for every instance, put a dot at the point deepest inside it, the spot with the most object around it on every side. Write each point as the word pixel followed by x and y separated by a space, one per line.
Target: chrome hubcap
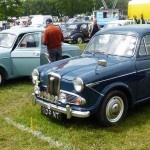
pixel 79 40
pixel 114 109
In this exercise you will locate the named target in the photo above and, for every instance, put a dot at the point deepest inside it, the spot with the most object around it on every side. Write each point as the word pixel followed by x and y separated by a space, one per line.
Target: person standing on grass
pixel 142 20
pixel 93 28
pixel 53 38
pixel 135 19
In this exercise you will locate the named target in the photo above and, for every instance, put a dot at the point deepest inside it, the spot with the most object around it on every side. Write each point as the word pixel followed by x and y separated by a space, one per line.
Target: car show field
pixel 23 127
pixel 96 97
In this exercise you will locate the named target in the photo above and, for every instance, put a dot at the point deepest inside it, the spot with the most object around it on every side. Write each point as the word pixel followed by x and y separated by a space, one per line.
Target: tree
pixel 54 7
pixel 9 8
pixel 73 7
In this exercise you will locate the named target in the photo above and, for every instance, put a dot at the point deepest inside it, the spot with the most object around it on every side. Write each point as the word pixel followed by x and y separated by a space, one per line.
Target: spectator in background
pixel 135 19
pixel 4 27
pixel 52 38
pixel 93 28
pixel 142 20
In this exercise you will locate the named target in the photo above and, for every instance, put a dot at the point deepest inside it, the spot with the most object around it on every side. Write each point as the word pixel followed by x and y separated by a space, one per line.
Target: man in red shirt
pixel 52 38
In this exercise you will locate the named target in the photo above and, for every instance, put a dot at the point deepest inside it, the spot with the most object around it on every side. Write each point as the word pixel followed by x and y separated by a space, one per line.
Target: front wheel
pixel 79 40
pixel 113 109
pixel 2 77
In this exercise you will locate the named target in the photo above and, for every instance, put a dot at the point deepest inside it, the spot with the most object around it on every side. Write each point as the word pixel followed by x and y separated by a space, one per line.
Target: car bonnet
pixel 68 69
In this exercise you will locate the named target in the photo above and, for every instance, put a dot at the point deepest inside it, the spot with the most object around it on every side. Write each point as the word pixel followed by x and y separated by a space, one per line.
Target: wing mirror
pixel 102 62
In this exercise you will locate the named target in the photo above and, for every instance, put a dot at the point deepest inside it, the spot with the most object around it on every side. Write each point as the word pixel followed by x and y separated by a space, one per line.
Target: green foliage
pixel 73 7
pixel 10 8
pixel 59 8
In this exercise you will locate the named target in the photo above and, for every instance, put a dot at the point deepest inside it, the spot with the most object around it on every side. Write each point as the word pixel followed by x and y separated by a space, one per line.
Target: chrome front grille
pixel 54 84
pixel 71 98
pixel 53 94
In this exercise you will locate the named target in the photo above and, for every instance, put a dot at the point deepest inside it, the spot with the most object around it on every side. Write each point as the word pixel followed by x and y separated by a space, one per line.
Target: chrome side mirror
pixel 102 62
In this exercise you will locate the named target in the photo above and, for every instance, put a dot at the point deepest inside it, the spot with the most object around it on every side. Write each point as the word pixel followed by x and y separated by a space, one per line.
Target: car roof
pixel 20 30
pixel 120 21
pixel 138 29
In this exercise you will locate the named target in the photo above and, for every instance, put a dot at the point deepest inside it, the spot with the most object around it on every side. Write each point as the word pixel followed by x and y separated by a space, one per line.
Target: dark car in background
pixel 77 32
pixel 108 78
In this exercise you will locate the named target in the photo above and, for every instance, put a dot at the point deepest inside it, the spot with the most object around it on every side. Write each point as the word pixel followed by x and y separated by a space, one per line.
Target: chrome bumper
pixel 65 110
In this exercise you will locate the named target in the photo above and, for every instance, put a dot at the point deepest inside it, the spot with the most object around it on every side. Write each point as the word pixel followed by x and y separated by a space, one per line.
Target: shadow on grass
pixel 136 117
pixel 17 81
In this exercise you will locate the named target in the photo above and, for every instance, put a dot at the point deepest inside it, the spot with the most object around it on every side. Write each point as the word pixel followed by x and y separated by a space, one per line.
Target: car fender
pixel 65 55
pixel 77 35
pixel 120 86
pixel 6 70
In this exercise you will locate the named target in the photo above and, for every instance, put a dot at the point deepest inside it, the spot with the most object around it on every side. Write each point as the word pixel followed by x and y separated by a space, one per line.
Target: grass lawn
pixel 23 127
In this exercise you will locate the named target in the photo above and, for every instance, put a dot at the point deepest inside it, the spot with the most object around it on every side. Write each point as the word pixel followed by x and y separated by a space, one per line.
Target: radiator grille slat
pixel 53 84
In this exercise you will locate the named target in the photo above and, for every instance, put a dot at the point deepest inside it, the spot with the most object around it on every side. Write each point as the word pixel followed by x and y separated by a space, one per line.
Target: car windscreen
pixel 7 40
pixel 112 44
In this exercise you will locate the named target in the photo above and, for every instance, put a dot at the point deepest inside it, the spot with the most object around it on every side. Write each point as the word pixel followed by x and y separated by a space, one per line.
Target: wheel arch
pixel 66 56
pixel 5 71
pixel 78 35
pixel 120 87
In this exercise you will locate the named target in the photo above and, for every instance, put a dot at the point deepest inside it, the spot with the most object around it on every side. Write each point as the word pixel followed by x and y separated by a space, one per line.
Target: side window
pixel 145 46
pixel 83 27
pixel 142 50
pixel 30 40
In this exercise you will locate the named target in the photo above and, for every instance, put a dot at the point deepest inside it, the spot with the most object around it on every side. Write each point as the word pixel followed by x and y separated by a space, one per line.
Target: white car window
pixel 7 40
pixel 30 40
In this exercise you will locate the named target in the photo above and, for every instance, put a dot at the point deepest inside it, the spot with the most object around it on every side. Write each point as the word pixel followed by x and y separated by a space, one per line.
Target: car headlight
pixel 78 84
pixel 35 76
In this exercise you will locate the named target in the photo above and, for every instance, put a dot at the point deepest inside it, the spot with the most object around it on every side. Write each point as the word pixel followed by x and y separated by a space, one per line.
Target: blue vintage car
pixel 109 77
pixel 21 50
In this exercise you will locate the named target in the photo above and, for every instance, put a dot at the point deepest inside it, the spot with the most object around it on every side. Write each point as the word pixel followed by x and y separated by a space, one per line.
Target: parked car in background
pixel 116 23
pixel 74 20
pixel 21 50
pixel 61 25
pixel 108 78
pixel 77 32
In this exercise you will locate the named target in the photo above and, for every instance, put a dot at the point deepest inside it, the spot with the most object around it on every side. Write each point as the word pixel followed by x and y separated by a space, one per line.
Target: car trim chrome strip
pixel 96 91
pixel 70 93
pixel 92 84
pixel 143 70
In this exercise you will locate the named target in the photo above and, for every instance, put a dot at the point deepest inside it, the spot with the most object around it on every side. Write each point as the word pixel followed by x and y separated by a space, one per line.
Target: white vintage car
pixel 119 23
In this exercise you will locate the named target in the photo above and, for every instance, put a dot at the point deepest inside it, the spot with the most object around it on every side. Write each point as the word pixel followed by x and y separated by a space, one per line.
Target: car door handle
pixel 36 53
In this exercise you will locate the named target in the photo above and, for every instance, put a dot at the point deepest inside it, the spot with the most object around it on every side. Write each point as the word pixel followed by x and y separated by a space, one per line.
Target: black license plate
pixel 51 113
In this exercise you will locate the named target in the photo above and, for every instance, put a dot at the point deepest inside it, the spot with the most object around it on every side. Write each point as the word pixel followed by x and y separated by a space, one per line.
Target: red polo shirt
pixel 52 37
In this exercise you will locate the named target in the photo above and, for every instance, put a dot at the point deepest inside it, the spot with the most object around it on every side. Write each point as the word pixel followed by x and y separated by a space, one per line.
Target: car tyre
pixel 79 40
pixel 113 109
pixel 2 77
